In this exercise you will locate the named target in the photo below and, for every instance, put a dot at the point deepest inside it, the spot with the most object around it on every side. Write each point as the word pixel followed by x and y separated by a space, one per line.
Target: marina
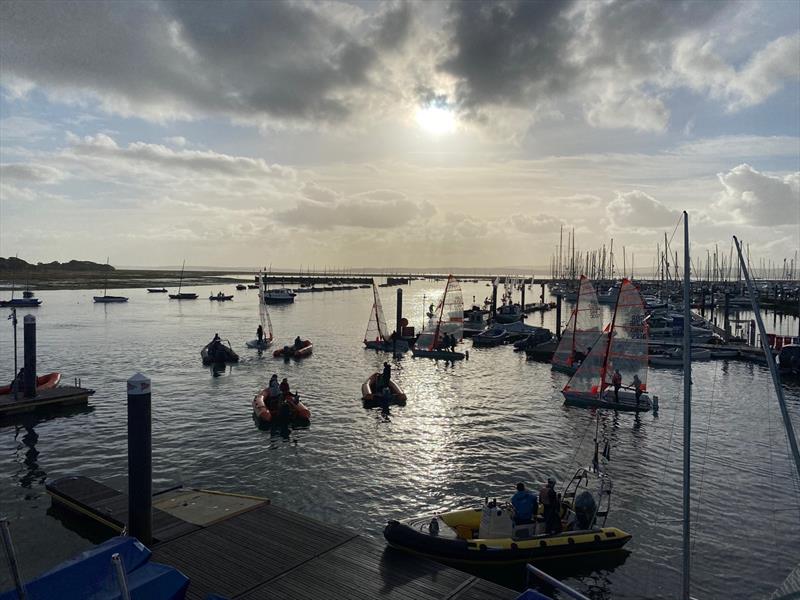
pixel 457 401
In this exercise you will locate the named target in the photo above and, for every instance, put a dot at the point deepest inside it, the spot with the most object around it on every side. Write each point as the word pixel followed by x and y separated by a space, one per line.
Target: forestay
pixel 448 317
pixel 623 347
pixel 376 327
pixel 584 326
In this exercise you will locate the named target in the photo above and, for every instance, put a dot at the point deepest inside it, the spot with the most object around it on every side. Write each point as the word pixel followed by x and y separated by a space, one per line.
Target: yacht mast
pixel 687 406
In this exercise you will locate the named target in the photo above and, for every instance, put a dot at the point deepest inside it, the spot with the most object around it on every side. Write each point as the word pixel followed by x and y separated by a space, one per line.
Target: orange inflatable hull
pixel 266 410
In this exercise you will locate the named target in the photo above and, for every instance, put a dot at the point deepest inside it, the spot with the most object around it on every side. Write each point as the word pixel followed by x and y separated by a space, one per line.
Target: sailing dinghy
pixel 448 318
pixel 582 330
pixel 622 347
pixel 266 322
pixel 105 298
pixel 376 337
pixel 182 295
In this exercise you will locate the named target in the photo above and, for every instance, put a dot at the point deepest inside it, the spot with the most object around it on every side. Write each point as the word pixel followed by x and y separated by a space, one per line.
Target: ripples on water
pixel 469 430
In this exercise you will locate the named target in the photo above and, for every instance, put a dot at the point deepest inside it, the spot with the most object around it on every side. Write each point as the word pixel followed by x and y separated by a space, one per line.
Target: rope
pixel 699 503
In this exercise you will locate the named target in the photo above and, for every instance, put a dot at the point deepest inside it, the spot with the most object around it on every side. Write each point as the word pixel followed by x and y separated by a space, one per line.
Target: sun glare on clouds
pixel 437 120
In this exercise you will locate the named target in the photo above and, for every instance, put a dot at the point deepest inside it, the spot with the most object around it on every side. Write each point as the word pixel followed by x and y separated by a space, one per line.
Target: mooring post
pixel 558 316
pixel 399 328
pixel 726 323
pixel 29 360
pixel 140 460
pixel 523 297
pixel 542 296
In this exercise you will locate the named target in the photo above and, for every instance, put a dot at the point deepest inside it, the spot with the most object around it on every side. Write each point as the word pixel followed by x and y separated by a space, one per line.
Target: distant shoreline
pixel 117 279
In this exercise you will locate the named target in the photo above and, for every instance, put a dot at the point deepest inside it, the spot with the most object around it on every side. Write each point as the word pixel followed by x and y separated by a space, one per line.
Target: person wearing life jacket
pixel 284 388
pixel 549 500
pixel 260 334
pixel 637 387
pixel 616 381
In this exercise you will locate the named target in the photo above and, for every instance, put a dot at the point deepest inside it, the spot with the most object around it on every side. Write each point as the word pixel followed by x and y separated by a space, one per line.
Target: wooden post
pixel 558 316
pixel 140 460
pixel 29 360
pixel 399 327
pixel 494 299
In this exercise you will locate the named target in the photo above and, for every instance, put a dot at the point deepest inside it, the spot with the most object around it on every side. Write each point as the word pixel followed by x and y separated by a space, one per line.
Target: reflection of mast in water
pixel 29 471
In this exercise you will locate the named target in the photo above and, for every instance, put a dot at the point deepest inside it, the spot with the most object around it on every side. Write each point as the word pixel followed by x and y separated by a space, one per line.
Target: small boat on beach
pixel 216 352
pixel 623 348
pixel 447 318
pixel 373 398
pixel 43 382
pixel 489 535
pixel 220 297
pixel 286 408
pixel 302 351
pixel 157 290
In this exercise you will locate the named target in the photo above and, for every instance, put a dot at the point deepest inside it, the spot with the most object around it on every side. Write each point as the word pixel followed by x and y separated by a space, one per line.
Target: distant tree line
pixel 17 264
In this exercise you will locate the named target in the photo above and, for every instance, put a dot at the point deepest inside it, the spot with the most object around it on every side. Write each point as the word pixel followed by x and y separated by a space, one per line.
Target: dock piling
pixel 494 299
pixel 558 316
pixel 542 296
pixel 398 327
pixel 29 360
pixel 140 459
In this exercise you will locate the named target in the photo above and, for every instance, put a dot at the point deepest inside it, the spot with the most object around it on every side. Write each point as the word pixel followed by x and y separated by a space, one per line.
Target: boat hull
pixel 438 354
pixel 43 382
pixel 21 303
pixel 224 354
pixel 157 290
pixel 259 345
pixel 109 299
pixel 183 296
pixel 411 536
pixel 266 410
pixel 304 351
pixel 388 346
pixel 371 399
pixel 627 400
pixel 220 298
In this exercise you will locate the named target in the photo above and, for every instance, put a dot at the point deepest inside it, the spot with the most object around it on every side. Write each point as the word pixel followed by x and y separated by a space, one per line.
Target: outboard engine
pixel 585 510
pixel 495 522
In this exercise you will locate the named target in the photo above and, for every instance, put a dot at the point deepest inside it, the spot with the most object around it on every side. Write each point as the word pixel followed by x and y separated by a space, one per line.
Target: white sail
pixel 376 326
pixel 263 313
pixel 583 329
pixel 448 317
pixel 623 346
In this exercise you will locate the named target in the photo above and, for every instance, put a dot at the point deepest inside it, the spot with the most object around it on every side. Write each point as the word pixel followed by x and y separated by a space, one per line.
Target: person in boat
pixel 616 381
pixel 385 377
pixel 274 387
pixel 525 505
pixel 284 388
pixel 260 336
pixel 298 343
pixel 636 384
pixel 393 339
pixel 214 346
pixel 549 500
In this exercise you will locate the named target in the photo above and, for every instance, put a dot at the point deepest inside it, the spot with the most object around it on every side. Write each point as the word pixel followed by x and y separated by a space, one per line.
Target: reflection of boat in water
pixel 622 348
pixel 488 535
pixel 449 319
pixel 215 352
pixel 282 409
pixel 372 397
pixel 581 332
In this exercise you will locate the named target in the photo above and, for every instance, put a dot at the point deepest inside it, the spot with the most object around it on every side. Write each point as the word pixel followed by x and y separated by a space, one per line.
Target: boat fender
pixel 433 527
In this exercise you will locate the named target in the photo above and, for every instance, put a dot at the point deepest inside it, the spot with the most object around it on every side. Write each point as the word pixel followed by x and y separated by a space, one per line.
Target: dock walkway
pixel 258 551
pixel 57 397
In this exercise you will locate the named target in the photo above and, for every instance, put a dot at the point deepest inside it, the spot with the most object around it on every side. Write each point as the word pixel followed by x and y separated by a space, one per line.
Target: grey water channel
pixel 470 430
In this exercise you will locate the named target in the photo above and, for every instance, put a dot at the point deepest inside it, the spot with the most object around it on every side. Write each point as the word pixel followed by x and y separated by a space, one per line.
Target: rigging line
pixel 669 451
pixel 768 400
pixel 574 456
pixel 680 219
pixel 699 501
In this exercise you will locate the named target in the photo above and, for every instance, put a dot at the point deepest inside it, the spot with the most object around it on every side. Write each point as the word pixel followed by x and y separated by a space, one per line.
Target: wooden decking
pixel 267 552
pixel 54 398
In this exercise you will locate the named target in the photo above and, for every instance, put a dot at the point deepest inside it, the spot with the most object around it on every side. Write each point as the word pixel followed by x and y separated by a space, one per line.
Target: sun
pixel 437 120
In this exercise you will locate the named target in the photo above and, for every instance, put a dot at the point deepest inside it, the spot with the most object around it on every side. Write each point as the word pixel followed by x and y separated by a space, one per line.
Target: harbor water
pixel 470 430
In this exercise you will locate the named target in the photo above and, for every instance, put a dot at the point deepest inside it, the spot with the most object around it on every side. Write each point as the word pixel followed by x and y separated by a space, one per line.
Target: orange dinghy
pixel 371 397
pixel 268 410
pixel 303 351
pixel 45 382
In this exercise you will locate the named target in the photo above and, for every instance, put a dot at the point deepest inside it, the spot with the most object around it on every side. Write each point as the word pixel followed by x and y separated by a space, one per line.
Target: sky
pixel 395 134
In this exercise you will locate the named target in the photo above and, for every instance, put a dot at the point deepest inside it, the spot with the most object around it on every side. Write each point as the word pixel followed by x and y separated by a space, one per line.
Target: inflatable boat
pixel 268 410
pixel 44 382
pixel 218 353
pixel 305 349
pixel 372 398
pixel 488 535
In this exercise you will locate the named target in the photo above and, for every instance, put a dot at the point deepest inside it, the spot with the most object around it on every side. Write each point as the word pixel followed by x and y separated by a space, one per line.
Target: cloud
pixel 260 62
pixel 31 173
pixel 23 129
pixel 638 210
pixel 755 198
pixel 380 209
pixel 541 223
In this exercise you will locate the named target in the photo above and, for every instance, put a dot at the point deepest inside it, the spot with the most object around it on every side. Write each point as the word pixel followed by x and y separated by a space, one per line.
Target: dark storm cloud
pixel 519 52
pixel 248 60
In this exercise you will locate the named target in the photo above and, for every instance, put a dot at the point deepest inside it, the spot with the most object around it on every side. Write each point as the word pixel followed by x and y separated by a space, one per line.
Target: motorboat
pixel 372 397
pixel 508 313
pixel 279 296
pixel 217 352
pixel 21 303
pixel 284 408
pixel 789 361
pixel 673 357
pixel 241 286
pixel 157 290
pixel 220 297
pixel 496 336
pixel 489 535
